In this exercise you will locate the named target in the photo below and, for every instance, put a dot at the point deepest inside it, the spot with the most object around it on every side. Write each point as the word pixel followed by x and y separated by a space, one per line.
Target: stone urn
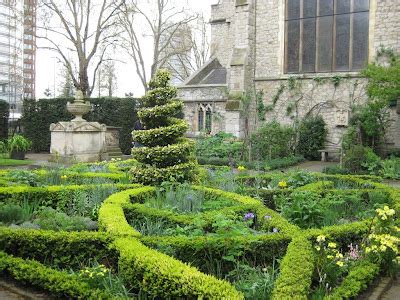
pixel 79 107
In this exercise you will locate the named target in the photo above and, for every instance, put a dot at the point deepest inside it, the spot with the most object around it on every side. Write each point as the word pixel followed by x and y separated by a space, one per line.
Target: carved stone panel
pixel 342 117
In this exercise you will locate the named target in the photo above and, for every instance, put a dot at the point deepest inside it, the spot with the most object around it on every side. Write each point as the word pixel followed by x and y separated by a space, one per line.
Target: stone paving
pixel 11 290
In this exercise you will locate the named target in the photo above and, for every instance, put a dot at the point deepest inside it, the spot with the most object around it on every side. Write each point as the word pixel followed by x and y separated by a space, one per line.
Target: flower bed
pixel 215 244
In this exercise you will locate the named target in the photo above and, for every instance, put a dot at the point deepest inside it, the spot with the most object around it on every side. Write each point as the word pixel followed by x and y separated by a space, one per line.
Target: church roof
pixel 212 73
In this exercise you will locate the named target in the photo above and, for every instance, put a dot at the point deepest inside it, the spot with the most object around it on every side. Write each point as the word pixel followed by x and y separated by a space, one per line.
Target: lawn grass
pixel 15 162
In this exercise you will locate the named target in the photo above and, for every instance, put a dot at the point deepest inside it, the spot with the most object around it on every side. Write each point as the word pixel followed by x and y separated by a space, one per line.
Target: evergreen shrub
pixel 312 137
pixel 4 114
pixel 164 155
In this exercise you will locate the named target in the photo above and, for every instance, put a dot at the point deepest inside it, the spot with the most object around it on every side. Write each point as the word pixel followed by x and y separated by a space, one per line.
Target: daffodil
pixel 332 245
pixel 282 184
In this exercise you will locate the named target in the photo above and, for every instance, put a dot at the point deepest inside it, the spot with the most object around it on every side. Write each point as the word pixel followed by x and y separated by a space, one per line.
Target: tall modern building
pixel 17 52
pixel 29 48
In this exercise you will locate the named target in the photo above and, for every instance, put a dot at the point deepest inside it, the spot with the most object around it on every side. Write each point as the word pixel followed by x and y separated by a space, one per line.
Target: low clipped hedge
pixel 62 249
pixel 51 196
pixel 297 268
pixel 160 275
pixel 358 279
pixel 268 165
pixel 59 283
pixel 148 270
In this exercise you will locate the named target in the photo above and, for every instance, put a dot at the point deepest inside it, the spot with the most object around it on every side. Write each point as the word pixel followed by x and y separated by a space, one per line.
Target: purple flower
pixel 266 217
pixel 275 230
pixel 248 216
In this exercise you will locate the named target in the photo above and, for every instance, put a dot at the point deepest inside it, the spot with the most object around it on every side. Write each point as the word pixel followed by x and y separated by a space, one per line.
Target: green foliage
pixel 162 276
pixel 255 283
pixel 165 155
pixel 312 137
pixel 391 168
pixel 50 219
pixel 355 158
pixel 219 146
pixel 336 169
pixel 58 283
pixel 61 249
pixel 372 121
pixel 358 279
pixel 15 214
pixel 272 141
pixel 4 114
pixel 18 143
pixel 99 276
pixel 178 197
pixel 38 115
pixel 304 209
pixel 297 268
pixel 384 81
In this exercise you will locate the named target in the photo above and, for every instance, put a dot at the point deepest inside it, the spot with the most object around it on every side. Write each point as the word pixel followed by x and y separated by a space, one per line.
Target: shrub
pixel 271 141
pixel 312 137
pixel 18 143
pixel 165 155
pixel 60 249
pixel 58 283
pixel 336 170
pixel 355 158
pixel 220 146
pixel 4 114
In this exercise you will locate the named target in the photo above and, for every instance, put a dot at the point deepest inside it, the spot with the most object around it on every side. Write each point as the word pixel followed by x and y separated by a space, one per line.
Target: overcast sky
pixel 48 69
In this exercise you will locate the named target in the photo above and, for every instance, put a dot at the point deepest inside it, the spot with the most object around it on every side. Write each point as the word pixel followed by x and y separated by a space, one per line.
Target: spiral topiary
pixel 166 155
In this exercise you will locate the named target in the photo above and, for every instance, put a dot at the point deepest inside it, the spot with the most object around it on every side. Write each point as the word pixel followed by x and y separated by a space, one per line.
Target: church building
pixel 292 58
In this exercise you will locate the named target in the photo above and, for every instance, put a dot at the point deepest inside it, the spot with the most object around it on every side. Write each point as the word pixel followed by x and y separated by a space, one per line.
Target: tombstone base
pixel 79 141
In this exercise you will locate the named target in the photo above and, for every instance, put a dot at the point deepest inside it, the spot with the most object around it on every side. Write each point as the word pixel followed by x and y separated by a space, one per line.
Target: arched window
pixel 201 118
pixel 204 118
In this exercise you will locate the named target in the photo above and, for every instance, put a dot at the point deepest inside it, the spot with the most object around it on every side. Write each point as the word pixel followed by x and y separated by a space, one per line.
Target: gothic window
pixel 201 118
pixel 208 125
pixel 204 118
pixel 326 35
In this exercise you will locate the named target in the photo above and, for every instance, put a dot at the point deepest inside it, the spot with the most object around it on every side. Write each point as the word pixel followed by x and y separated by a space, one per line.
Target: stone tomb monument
pixel 78 140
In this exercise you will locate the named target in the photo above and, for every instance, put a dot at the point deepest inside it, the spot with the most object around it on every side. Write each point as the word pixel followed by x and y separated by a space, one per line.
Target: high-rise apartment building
pixel 29 48
pixel 17 52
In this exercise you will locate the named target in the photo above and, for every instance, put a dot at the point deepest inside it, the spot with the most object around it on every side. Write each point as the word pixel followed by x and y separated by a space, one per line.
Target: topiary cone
pixel 166 155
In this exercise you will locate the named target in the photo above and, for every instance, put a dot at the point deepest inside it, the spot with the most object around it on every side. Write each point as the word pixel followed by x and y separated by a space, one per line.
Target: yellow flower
pixel 317 248
pixel 282 184
pixel 64 177
pixel 321 238
pixel 339 255
pixel 332 245
pixel 340 263
pixel 330 256
pixel 241 168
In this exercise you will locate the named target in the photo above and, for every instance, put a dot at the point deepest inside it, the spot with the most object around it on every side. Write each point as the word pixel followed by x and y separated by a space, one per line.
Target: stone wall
pixel 248 39
pixel 193 96
pixel 326 98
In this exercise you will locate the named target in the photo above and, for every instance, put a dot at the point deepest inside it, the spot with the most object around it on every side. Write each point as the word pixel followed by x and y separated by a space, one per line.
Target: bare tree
pixel 160 20
pixel 66 87
pixel 80 31
pixel 107 78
